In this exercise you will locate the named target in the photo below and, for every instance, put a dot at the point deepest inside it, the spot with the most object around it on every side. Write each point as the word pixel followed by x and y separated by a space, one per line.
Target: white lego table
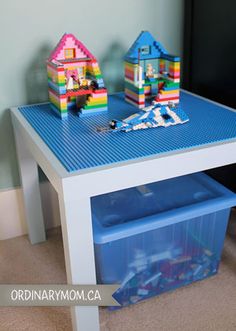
pixel 76 188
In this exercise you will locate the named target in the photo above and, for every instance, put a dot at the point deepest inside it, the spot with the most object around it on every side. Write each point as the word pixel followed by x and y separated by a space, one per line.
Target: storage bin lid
pixel 128 212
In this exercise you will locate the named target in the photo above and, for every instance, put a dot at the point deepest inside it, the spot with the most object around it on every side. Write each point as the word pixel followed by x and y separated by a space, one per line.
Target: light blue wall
pixel 30 29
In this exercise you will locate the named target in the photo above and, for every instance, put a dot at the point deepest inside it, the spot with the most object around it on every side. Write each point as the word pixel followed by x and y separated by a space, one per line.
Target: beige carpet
pixel 206 305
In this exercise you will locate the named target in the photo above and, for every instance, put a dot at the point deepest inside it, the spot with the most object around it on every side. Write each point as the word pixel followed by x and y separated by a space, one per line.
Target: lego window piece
pixel 145 50
pixel 69 53
pixel 167 68
pixel 166 116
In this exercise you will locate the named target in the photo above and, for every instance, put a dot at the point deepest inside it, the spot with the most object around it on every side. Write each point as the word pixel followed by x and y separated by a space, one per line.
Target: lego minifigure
pixel 149 71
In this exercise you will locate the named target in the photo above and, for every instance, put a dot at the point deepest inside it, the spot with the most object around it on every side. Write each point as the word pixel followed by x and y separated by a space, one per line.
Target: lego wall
pixel 30 29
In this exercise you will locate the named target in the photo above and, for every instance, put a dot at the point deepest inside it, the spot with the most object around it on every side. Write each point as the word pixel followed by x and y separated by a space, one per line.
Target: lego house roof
pixel 144 41
pixel 68 40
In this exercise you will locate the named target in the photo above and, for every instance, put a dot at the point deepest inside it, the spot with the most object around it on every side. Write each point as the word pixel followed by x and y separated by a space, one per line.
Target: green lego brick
pixel 147 82
pixel 60 110
pixel 61 84
pixel 171 84
pixel 95 106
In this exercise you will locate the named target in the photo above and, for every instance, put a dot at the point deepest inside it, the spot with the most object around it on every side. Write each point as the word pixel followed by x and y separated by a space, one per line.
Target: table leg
pixel 77 234
pixel 30 185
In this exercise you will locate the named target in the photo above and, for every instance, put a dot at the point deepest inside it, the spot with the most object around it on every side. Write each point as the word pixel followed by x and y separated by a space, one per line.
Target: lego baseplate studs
pixel 74 79
pixel 78 146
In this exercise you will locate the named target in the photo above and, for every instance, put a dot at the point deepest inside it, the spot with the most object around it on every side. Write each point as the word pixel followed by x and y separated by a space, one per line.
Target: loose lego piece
pixel 149 275
pixel 153 279
pixel 74 79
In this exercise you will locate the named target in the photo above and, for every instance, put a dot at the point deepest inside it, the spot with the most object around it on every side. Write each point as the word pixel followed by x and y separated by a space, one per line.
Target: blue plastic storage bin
pixel 158 237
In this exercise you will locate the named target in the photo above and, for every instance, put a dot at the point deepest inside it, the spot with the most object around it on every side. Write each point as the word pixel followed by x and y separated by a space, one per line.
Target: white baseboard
pixel 12 216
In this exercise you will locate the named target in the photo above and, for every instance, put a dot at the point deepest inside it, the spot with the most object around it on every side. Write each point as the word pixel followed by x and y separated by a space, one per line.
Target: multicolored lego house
pixel 150 72
pixel 74 78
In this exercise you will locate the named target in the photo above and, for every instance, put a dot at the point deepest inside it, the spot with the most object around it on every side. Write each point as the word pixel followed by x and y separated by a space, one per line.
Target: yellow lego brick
pixel 97 101
pixel 169 92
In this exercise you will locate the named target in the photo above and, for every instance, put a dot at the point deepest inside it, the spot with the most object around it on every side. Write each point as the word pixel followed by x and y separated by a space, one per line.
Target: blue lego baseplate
pixel 77 144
